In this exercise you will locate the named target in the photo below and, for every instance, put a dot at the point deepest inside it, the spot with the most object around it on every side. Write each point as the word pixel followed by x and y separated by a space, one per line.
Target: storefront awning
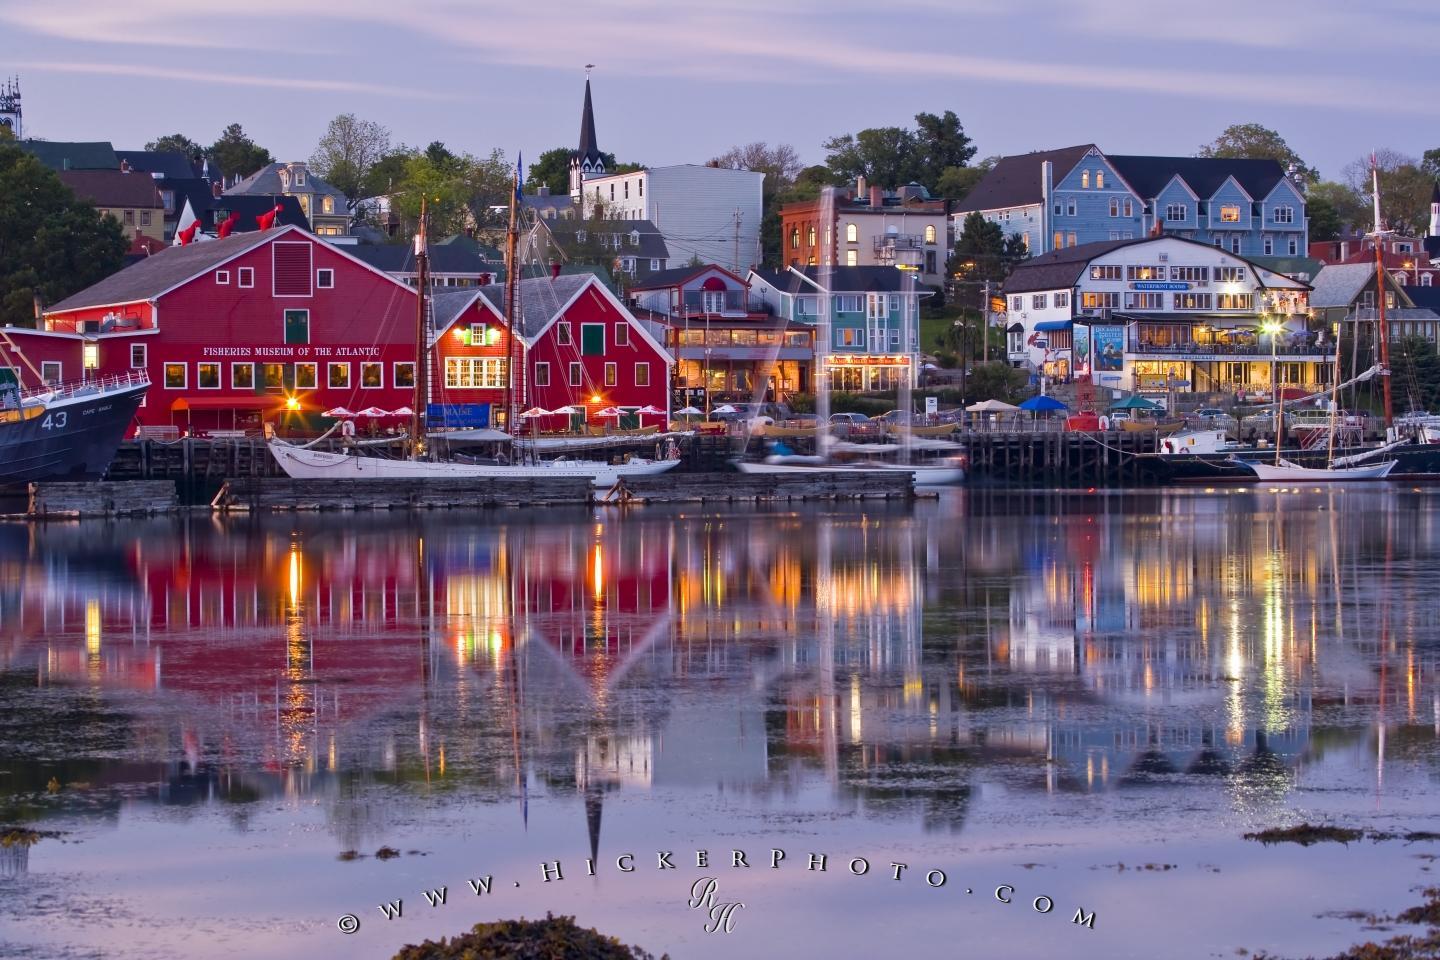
pixel 229 403
pixel 1053 325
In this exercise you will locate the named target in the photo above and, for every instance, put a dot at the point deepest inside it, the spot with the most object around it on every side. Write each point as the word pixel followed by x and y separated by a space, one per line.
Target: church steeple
pixel 587 161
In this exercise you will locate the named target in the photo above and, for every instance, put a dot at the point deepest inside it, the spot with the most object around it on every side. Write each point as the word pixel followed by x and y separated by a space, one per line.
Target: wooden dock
pixel 55 499
pixel 737 487
pixel 1110 459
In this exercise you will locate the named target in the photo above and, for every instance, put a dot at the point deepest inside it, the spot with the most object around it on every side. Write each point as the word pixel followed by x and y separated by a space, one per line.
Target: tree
pixel 884 156
pixel 1430 163
pixel 176 143
pixel 51 243
pixel 1405 189
pixel 236 154
pixel 983 251
pixel 386 173
pixel 346 153
pixel 956 182
pixel 1333 208
pixel 460 192
pixel 780 163
pixel 552 169
pixel 1253 142
pixel 942 145
pixel 996 380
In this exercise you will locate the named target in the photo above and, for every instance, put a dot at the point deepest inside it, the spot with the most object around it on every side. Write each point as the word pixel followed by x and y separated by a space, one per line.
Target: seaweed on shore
pixel 526 940
pixel 23 836
pixel 1306 834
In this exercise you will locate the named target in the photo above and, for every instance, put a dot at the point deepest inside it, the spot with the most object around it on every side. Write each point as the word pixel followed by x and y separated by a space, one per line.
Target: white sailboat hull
pixel 300 463
pixel 1291 471
pixel 924 474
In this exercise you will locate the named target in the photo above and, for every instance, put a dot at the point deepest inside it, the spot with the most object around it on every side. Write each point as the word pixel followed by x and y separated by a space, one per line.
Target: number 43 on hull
pixel 65 431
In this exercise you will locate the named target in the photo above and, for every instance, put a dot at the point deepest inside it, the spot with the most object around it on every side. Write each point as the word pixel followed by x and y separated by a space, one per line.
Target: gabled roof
pixel 678 276
pixel 111 188
pixel 537 300
pixel 156 274
pixel 651 241
pixel 1204 175
pixel 861 280
pixel 1060 269
pixel 266 181
pixel 62 155
pixel 1339 284
pixel 448 304
pixel 250 207
pixel 1015 181
pixel 170 164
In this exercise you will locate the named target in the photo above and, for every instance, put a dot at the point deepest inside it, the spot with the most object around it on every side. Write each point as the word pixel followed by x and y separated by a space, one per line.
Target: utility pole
pixel 737 240
pixel 985 325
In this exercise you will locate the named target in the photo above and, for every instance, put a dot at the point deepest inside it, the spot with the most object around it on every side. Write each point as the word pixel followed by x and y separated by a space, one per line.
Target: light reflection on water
pixel 1066 682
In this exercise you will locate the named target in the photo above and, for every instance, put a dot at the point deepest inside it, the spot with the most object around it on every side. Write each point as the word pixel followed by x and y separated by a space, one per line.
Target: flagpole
pixel 512 279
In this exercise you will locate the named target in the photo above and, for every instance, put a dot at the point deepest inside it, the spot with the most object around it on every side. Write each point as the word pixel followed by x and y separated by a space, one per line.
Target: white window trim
pixel 321 272
pixel 612 374
pixel 622 329
pixel 240 277
pixel 395 374
pixel 372 363
pixel 222 278
pixel 562 332
pixel 331 366
pixel 542 373
pixel 635 376
pixel 144 356
pixel 165 375
pixel 238 365
pixel 59 365
pixel 219 374
pixel 604 340
pixel 275 274
pixel 576 367
pixel 314 375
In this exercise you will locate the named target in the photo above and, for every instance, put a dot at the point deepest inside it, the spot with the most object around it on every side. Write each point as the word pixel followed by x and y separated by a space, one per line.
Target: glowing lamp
pixel 595 398
pixel 292 403
pixel 459 333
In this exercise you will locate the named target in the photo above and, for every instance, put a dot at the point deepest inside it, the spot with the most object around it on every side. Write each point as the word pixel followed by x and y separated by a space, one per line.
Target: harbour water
pixel 1079 700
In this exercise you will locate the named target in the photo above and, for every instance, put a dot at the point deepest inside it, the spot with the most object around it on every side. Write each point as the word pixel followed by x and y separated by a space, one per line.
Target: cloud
pixel 231 79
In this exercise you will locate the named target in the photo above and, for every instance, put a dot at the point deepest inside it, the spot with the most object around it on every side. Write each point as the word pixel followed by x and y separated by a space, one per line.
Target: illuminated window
pixel 852 233
pixel 339 376
pixel 174 376
pixel 404 374
pixel 474 373
pixel 242 376
pixel 1100 179
pixel 612 375
pixel 327 205
pixel 207 376
pixel 852 258
pixel 622 335
pixel 795 238
pixel 1230 213
pixel 642 374
pixel 372 376
pixel 272 376
pixel 930 233
pixel 810 236
pixel 1085 180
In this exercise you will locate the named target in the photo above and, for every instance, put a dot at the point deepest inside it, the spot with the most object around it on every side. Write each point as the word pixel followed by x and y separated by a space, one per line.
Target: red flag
pixel 228 225
pixel 267 220
pixel 188 234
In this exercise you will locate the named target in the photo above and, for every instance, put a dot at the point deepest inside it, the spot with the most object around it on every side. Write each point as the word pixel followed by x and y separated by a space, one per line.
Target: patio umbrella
pixel 610 412
pixel 991 406
pixel 689 412
pixel 337 412
pixel 651 411
pixel 724 408
pixel 535 412
pixel 1135 402
pixel 1042 403
pixel 373 412
pixel 402 412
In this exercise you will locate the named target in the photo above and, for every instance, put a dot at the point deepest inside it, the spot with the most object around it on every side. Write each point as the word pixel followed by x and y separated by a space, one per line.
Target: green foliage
pixel 385 174
pixel 1415 373
pixel 236 154
pixel 1405 190
pixel 175 143
pixel 1430 163
pixel 956 182
pixel 459 190
pixel 552 169
pixel 1254 142
pixel 51 243
pixel 1332 207
pixel 892 156
pixel 983 251
pixel 548 939
pixel 347 151
pixel 947 359
pixel 995 381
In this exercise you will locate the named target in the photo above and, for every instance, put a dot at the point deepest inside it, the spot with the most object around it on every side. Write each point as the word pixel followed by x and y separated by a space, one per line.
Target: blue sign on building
pixel 457 415
pixel 1159 285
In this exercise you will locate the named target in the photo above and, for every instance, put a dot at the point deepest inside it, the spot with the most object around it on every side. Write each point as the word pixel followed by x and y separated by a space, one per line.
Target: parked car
pixel 1215 419
pixel 851 418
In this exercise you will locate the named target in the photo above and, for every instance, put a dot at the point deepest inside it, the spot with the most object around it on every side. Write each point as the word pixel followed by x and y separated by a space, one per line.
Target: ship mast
pixel 1382 332
pixel 422 344
pixel 512 279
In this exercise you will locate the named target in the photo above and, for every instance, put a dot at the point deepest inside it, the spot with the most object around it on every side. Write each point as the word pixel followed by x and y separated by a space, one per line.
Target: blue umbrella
pixel 1042 403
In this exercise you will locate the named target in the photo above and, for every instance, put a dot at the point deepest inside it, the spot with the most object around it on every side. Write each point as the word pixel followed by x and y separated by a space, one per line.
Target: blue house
pixel 873 314
pixel 1077 195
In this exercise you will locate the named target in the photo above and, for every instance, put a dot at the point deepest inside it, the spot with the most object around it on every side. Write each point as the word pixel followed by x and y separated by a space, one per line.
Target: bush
pixel 947 359
pixel 550 939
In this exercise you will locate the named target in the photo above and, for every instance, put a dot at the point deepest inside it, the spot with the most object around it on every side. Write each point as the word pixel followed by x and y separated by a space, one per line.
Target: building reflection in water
pixel 897 660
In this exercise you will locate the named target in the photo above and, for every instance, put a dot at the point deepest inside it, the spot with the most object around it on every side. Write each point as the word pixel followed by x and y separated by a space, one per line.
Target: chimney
pixel 1047 187
pixel 124 166
pixel 544 191
pixel 216 189
pixel 39 303
pixel 859 187
pixel 877 198
pixel 554 269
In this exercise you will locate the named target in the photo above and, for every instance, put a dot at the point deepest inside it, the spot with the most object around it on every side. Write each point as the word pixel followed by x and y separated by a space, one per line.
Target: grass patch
pixel 1306 834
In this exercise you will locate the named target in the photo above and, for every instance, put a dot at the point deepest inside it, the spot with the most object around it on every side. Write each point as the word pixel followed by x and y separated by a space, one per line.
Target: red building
pixel 263 326
pixel 582 348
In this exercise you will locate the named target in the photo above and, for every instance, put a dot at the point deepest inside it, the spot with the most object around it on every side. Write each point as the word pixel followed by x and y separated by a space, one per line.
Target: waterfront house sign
pixel 1159 285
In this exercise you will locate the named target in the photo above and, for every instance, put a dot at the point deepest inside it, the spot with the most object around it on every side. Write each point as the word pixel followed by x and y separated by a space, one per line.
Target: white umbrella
pixel 567 411
pixel 337 413
pixel 652 411
pixel 689 412
pixel 402 412
pixel 610 412
pixel 373 412
pixel 991 406
pixel 724 408
pixel 536 412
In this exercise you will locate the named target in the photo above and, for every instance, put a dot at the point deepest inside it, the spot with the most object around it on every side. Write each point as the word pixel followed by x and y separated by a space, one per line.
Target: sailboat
pixel 304 462
pixel 1343 469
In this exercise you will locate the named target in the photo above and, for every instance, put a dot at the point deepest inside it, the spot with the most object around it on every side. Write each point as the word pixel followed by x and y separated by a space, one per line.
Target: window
pixel 627 189
pixel 930 260
pixel 1229 213
pixel 1144 301
pixel 1038 301
pixel 1084 179
pixel 174 376
pixel 612 375
pixel 272 376
pixel 1190 274
pixel 325 279
pixel 852 258
pixel 1425 279
pixel 242 376
pixel 1285 214
pixel 1229 274
pixel 137 355
pixel 1235 301
pixel 1292 246
pixel 622 335
pixel 1269 246
pixel 207 376
pixel 1235 243
pixel 297 326
pixel 1071 240
pixel 129 218
pixel 612 191
pixel 1192 301
pixel 1099 179
pixel 475 373
pixel 339 376
pixel 222 278
pixel 562 333
pixel 245 277
pixel 1062 299
pixel 144 218
pixel 930 233
pixel 1070 207
pixel 1114 206
pixel 640 188
pixel 299 178
pixel 576 375
pixel 852 233
pixel 1144 272
pixel 51 371
pixel 1017 304
pixel 372 375
pixel 654 264
pixel 592 339
pixel 1059 240
pixel 1129 207
pixel 404 374
pixel 542 374
pixel 795 238
pixel 642 374
pixel 327 205
pixel 849 303
pixel 810 235
pixel 1175 212
pixel 875 306
pixel 1107 272
pixel 1099 301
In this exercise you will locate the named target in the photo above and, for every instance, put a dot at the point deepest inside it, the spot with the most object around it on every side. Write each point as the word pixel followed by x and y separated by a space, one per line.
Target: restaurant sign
pixel 1159 285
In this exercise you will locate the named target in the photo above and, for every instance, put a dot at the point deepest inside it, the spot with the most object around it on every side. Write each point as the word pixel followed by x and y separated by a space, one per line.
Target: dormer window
pixel 284 179
pixel 634 238
pixel 299 176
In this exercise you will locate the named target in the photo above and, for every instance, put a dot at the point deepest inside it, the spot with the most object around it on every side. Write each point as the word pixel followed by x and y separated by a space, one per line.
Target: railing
pixel 699 303
pixel 899 241
pixel 1257 350
pixel 70 388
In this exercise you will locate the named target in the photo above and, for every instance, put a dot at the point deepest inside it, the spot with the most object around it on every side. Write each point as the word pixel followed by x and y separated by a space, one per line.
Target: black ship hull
pixel 1414 461
pixel 70 438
